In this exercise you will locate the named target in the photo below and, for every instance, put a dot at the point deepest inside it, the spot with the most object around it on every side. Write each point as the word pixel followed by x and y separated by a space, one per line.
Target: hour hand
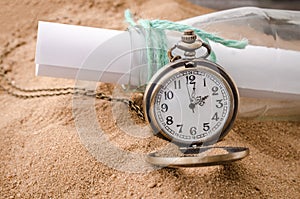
pixel 201 100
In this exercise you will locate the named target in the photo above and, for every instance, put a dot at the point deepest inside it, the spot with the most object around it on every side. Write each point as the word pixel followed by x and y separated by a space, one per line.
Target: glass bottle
pixel 267 71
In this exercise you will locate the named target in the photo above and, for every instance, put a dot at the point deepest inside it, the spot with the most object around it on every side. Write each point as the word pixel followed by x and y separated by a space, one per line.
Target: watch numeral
pixel 206 126
pixel 204 82
pixel 169 95
pixel 164 108
pixel 215 90
pixel 180 127
pixel 190 79
pixel 220 104
pixel 215 117
pixel 193 130
pixel 177 84
pixel 169 120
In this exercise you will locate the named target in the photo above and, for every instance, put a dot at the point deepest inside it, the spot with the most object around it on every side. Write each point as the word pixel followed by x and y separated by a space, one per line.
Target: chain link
pixel 10 88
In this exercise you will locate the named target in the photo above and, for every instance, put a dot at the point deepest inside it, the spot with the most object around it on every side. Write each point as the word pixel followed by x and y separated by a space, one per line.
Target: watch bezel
pixel 169 70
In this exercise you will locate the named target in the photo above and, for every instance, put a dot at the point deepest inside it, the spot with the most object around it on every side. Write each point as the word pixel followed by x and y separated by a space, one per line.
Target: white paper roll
pixel 62 50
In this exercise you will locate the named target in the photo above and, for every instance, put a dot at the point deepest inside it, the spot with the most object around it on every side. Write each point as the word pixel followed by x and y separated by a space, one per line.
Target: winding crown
pixel 188 36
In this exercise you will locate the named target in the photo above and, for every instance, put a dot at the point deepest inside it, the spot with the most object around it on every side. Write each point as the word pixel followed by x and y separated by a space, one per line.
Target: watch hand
pixel 205 97
pixel 201 100
pixel 194 92
pixel 187 87
pixel 191 105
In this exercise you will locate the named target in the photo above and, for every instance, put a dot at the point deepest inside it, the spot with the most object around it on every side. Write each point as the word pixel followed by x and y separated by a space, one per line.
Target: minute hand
pixel 187 87
pixel 194 92
pixel 191 105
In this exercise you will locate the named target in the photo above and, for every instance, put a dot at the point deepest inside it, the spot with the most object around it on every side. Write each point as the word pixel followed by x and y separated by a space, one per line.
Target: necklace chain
pixel 10 88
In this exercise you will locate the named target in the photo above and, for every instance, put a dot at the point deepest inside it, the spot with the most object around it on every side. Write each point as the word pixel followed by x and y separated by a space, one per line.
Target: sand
pixel 43 156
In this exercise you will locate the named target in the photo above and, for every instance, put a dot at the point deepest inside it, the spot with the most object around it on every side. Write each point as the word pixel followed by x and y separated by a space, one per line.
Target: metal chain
pixel 34 93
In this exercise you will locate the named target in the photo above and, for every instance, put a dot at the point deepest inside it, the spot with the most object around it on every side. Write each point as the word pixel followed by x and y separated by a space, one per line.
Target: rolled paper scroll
pixel 106 55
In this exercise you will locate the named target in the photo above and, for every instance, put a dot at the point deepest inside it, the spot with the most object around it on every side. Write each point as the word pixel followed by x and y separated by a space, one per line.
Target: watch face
pixel 192 105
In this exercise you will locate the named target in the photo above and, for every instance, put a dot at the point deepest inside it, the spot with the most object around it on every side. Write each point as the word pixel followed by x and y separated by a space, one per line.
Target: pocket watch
pixel 193 103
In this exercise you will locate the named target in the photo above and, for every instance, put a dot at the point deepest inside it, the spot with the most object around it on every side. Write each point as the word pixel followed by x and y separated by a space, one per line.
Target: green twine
pixel 156 39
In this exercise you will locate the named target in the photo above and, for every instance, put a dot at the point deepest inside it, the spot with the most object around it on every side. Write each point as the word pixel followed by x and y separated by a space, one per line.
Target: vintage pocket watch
pixel 193 103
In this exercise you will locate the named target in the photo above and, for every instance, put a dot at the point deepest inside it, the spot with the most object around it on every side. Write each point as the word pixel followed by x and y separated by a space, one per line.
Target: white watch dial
pixel 192 106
